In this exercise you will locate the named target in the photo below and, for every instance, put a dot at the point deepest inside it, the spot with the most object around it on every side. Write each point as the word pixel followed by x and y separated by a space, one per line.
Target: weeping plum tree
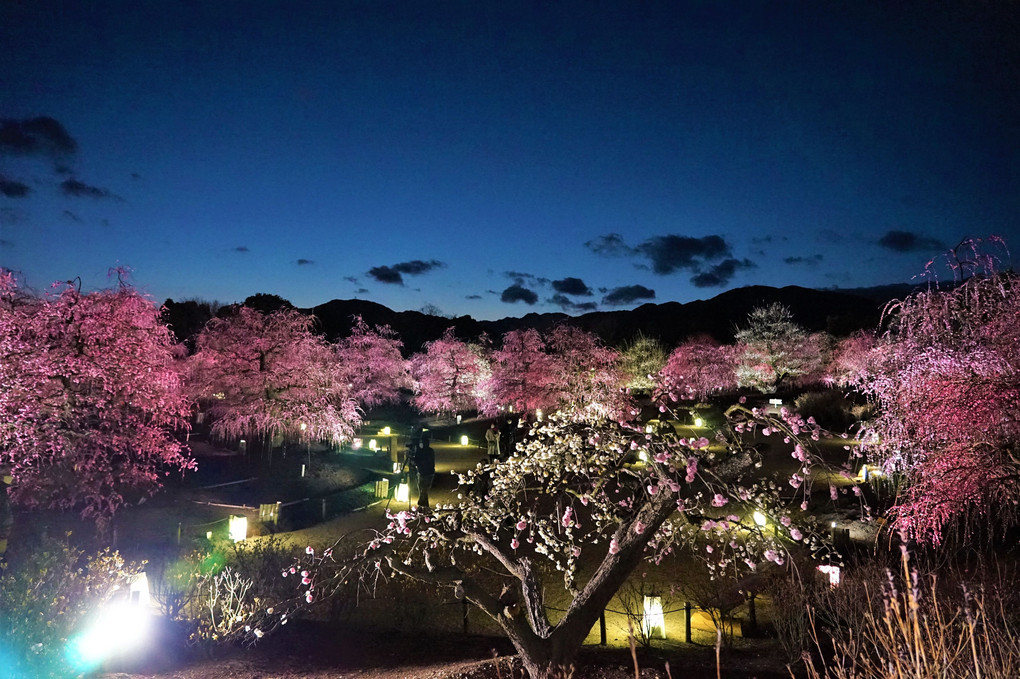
pixel 90 397
pixel 447 375
pixel 588 382
pixel 696 369
pixel 371 361
pixel 946 377
pixel 576 510
pixel 523 377
pixel 263 374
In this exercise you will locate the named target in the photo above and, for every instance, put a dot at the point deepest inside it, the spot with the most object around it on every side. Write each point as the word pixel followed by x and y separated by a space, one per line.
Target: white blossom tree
pixel 580 508
pixel 773 349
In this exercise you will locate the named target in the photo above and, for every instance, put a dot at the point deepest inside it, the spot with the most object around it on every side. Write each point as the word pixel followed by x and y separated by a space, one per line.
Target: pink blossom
pixel 785 520
pixel 639 527
pixel 309 550
pixel 709 549
pixel 514 544
pixel 614 547
pixel 567 517
pixel 718 500
pixel 652 490
pixel 796 534
pixel 522 524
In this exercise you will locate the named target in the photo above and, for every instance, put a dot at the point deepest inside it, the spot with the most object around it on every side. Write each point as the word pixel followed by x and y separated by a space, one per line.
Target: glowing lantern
pixel 643 455
pixel 403 493
pixel 759 519
pixel 396 467
pixel 356 444
pixel 464 440
pixel 698 422
pixel 238 528
pixel 653 621
pixel 372 445
pixel 385 431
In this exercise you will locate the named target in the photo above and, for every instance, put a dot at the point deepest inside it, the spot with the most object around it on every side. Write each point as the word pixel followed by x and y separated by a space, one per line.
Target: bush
pixel 219 593
pixel 831 409
pixel 46 592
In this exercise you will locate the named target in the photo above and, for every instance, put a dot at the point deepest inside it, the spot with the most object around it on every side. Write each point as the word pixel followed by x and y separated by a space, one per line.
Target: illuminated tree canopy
pixel 263 374
pixel 91 398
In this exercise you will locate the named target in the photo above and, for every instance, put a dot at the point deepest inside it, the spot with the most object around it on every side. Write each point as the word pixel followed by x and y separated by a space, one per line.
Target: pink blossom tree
pixel 945 377
pixel 574 497
pixel 586 375
pixel 697 369
pixel 90 398
pixel 264 374
pixel 371 360
pixel 448 375
pixel 773 349
pixel 854 359
pixel 523 377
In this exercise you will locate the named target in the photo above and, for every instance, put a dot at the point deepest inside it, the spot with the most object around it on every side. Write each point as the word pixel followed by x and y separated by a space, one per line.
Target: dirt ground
pixel 321 652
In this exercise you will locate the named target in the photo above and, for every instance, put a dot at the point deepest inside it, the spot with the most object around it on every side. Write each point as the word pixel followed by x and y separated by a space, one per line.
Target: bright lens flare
pixel 120 626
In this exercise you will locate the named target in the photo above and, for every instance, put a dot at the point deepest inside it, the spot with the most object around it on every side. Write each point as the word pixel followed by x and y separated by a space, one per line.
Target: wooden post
pixel 752 614
pixel 687 621
pixel 178 533
pixel 602 628
pixel 464 604
pixel 323 509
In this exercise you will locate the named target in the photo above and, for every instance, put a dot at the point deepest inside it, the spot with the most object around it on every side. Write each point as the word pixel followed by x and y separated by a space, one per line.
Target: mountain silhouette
pixel 838 312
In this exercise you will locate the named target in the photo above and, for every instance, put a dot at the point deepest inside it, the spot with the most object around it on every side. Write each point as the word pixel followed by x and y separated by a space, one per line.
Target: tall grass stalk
pixel 915 634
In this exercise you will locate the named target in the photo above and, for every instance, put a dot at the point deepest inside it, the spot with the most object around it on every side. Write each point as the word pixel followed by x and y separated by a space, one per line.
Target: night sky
pixel 497 158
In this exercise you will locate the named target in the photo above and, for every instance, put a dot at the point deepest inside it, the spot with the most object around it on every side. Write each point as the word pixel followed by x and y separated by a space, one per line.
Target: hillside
pixel 836 312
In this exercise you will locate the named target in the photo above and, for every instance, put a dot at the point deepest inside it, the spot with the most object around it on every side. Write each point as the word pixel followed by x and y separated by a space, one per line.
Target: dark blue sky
pixel 495 158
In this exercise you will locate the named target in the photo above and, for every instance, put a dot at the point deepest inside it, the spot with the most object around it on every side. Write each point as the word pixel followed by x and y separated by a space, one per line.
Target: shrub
pixel 831 409
pixel 46 593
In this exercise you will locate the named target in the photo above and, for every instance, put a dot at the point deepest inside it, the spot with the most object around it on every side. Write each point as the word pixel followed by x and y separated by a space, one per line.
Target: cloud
pixel 813 260
pixel 241 248
pixel 572 286
pixel 361 291
pixel 6 243
pixel 628 294
pixel 521 278
pixel 305 262
pixel 908 241
pixel 567 304
pixel 671 253
pixel 73 187
pixel 518 293
pixel 721 273
pixel 472 296
pixel 12 188
pixel 353 280
pixel 610 245
pixel 67 214
pixel 35 136
pixel 395 273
